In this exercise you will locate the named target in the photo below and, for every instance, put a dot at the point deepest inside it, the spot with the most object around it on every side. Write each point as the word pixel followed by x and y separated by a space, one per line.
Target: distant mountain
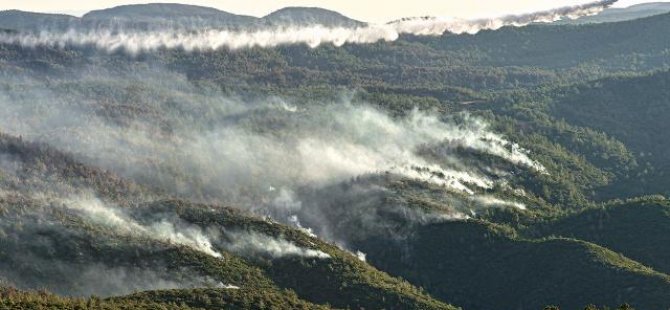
pixel 159 15
pixel 622 14
pixel 156 10
pixel 21 20
pixel 162 14
pixel 302 16
pixel 187 16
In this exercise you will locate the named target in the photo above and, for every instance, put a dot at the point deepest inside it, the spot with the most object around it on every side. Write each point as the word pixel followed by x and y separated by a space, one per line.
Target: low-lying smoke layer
pixel 487 201
pixel 175 231
pixel 80 247
pixel 187 235
pixel 219 147
pixel 253 244
pixel 272 156
pixel 212 39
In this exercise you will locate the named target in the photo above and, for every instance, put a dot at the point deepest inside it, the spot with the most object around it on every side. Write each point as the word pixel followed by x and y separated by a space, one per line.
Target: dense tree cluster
pixel 589 102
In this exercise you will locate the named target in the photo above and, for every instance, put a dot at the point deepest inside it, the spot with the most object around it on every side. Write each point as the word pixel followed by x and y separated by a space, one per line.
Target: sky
pixel 366 10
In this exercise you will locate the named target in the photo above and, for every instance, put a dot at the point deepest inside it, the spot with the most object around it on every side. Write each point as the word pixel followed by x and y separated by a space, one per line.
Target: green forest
pixel 518 168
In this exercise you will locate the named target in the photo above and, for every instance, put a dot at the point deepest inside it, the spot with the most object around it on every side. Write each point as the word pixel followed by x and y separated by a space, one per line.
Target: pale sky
pixel 366 10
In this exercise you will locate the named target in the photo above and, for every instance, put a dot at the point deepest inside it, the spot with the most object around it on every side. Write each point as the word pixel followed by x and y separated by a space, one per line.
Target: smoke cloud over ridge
pixel 211 39
pixel 166 231
pixel 175 231
pixel 58 229
pixel 145 172
pixel 220 145
pixel 251 244
pixel 323 167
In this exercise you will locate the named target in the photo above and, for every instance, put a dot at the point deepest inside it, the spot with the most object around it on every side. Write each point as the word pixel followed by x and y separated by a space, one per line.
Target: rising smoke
pixel 175 233
pixel 252 244
pixel 47 245
pixel 272 156
pixel 211 39
pixel 58 229
pixel 331 169
pixel 218 145
pixel 102 280
pixel 488 201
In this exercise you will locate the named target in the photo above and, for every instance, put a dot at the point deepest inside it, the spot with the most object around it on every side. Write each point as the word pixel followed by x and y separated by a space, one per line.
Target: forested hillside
pixel 514 168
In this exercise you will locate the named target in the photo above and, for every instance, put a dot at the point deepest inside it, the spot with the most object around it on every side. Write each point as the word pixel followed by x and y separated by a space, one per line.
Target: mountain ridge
pixel 612 15
pixel 305 16
pixel 156 15
pixel 259 177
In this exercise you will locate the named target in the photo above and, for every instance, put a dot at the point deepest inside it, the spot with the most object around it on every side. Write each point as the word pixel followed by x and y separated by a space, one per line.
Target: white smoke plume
pixel 313 36
pixel 97 279
pixel 435 26
pixel 252 243
pixel 295 221
pixel 272 156
pixel 309 146
pixel 97 212
pixel 44 221
pixel 228 286
pixel 491 143
pixel 490 201
pixel 361 256
pixel 101 280
pixel 243 243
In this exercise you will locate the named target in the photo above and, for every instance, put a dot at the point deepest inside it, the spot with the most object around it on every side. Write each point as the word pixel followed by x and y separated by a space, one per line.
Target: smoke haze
pixel 271 156
pixel 182 234
pixel 135 42
pixel 340 169
pixel 220 145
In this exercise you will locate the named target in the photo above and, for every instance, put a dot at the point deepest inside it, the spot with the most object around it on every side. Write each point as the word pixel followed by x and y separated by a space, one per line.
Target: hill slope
pixel 629 109
pixel 480 266
pixel 309 16
pixel 166 14
pixel 611 15
pixel 639 229
pixel 20 20
pixel 99 139
pixel 111 261
pixel 628 45
pixel 167 299
pixel 63 216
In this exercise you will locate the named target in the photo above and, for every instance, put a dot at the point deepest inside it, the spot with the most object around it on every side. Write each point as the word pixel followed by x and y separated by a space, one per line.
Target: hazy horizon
pixel 371 11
